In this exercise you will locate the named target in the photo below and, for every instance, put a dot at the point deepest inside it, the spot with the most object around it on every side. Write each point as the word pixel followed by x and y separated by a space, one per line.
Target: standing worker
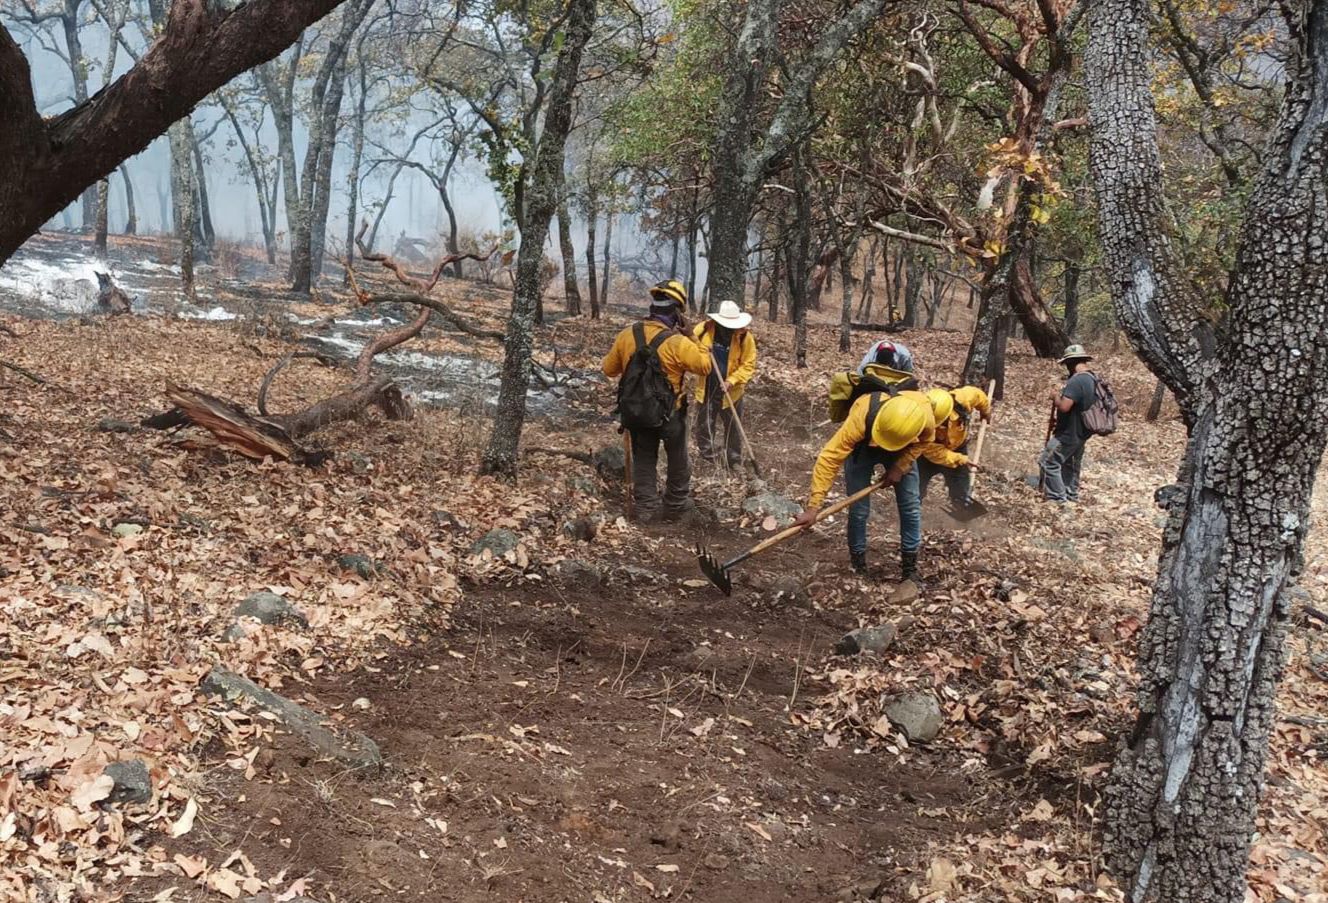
pixel 724 334
pixel 948 455
pixel 1063 456
pixel 649 359
pixel 881 430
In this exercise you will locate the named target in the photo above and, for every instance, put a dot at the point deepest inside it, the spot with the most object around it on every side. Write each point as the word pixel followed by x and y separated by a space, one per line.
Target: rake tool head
pixel 711 567
pixel 966 513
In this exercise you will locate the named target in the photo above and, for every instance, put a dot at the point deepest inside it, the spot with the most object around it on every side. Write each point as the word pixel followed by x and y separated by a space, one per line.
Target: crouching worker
pixel 948 455
pixel 649 359
pixel 880 431
pixel 724 336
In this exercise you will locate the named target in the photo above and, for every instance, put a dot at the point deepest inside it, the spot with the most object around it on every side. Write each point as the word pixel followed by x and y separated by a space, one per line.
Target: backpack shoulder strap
pixel 639 335
pixel 873 408
pixel 659 339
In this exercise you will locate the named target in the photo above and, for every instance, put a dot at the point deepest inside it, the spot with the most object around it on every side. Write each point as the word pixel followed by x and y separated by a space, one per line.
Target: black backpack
pixel 645 396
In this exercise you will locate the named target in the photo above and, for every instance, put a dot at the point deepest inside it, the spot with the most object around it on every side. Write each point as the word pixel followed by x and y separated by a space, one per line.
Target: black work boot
pixel 858 560
pixel 908 566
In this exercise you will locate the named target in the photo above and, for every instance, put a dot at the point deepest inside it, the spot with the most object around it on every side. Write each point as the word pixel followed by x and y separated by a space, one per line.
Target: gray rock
pixel 632 574
pixel 448 521
pixel 348 747
pixel 905 592
pixel 580 571
pixel 1006 588
pixel 582 528
pixel 1064 547
pixel 579 482
pixel 111 425
pixel 269 608
pixel 867 639
pixel 359 463
pixel 1033 479
pixel 917 714
pixel 610 462
pixel 133 784
pixel 363 565
pixel 127 529
pixel 771 504
pixel 497 541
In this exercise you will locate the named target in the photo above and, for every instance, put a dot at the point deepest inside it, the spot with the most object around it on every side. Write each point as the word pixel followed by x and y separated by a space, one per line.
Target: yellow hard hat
pixel 670 290
pixel 942 404
pixel 900 421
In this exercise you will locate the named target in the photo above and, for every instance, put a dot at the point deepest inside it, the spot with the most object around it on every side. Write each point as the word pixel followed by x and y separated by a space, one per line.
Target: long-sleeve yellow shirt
pixel 953 434
pixel 742 359
pixel 678 356
pixel 851 434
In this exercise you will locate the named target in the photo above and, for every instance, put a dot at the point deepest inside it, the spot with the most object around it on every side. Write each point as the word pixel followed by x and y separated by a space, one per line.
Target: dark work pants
pixel 715 426
pixel 958 480
pixel 1061 462
pixel 645 466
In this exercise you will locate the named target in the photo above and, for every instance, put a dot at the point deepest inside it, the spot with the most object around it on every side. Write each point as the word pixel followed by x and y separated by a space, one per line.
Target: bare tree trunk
pixel 673 256
pixel 322 202
pixel 592 271
pixel 868 281
pixel 204 222
pixel 913 291
pixel 691 258
pixel 608 243
pixel 540 203
pixel 571 293
pixel 131 214
pixel 800 250
pixel 1072 271
pixel 776 278
pixel 267 211
pixel 846 287
pixel 1183 794
pixel 356 159
pixel 103 216
pixel 182 194
pixel 1155 404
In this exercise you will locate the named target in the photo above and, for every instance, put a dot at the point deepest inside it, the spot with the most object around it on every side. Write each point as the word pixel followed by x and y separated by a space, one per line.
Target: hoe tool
pixel 974 509
pixel 719 573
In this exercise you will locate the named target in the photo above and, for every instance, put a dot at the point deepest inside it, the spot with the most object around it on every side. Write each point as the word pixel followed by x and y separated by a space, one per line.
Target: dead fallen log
pixel 231 426
pixel 878 327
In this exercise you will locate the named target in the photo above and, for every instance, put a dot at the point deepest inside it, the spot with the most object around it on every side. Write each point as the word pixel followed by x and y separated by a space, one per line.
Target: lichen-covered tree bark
pixel 182 200
pixel 540 203
pixel 1183 795
pixel 741 163
pixel 571 294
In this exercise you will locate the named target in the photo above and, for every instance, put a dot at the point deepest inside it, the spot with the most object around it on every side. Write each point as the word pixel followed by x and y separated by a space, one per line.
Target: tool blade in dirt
pixel 966 513
pixel 717 573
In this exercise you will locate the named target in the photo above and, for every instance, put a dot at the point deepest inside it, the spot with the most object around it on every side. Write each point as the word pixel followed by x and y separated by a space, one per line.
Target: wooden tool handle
pixel 982 430
pixel 629 503
pixel 798 528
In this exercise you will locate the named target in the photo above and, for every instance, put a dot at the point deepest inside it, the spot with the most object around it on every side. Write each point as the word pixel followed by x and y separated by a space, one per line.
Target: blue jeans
pixel 859 471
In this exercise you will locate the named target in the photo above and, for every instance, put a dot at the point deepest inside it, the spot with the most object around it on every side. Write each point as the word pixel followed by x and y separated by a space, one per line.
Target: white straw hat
pixel 731 316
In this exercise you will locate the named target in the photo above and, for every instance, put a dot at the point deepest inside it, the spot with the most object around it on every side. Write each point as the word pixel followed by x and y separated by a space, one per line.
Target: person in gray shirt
pixel 1063 457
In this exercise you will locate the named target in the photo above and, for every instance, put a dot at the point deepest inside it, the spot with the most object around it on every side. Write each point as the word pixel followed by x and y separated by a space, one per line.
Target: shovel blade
pixel 713 570
pixel 966 513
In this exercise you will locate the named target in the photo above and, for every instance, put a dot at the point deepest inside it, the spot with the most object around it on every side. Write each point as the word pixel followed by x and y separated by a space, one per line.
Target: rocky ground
pixel 389 678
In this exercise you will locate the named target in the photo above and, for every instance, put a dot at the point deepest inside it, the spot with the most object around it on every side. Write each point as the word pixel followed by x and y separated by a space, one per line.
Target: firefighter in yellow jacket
pixel 725 336
pixel 880 431
pixel 663 331
pixel 947 455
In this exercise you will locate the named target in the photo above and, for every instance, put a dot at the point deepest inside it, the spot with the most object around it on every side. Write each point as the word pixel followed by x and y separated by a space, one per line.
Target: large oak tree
pixel 1254 392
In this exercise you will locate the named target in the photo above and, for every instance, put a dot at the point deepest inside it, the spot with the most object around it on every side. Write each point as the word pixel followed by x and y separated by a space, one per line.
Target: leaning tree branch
pixel 203 46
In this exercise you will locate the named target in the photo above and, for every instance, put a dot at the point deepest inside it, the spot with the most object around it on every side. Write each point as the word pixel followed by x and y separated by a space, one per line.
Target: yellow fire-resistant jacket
pixel 851 434
pixel 951 435
pixel 678 356
pixel 742 359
